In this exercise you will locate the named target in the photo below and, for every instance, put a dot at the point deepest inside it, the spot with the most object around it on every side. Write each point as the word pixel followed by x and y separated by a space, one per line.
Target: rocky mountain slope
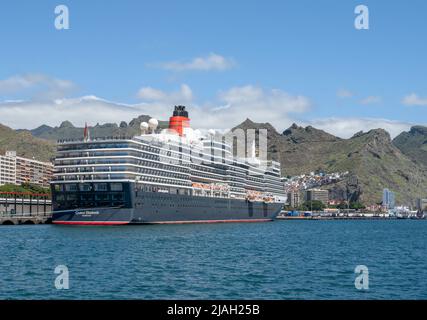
pixel 373 161
pixel 68 131
pixel 25 144
pixel 413 144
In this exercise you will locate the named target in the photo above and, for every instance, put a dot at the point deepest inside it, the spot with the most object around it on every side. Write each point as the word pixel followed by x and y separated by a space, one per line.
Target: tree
pixel 342 206
pixel 25 187
pixel 314 205
pixel 357 205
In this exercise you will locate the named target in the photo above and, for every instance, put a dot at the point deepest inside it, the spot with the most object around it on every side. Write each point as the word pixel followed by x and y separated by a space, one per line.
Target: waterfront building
pixel 18 170
pixel 294 199
pixel 388 199
pixel 8 168
pixel 422 205
pixel 317 195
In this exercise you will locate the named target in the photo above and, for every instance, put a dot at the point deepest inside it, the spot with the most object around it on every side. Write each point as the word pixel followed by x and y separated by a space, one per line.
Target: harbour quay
pixel 24 208
pixel 351 215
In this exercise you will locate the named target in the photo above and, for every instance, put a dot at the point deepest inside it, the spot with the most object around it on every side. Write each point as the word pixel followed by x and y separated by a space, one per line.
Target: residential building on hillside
pixel 294 199
pixel 18 170
pixel 8 168
pixel 422 205
pixel 388 199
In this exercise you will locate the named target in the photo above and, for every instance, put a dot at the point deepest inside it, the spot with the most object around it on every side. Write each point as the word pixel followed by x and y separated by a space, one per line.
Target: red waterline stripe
pixel 91 223
pixel 211 221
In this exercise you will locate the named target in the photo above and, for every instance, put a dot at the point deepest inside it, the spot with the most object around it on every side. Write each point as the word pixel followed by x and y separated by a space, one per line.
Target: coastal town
pixel 308 197
pixel 24 183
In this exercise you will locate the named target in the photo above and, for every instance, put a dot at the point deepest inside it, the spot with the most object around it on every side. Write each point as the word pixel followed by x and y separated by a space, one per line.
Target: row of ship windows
pixel 160 189
pixel 183 205
pixel 165 181
pixel 120 161
pixel 175 175
pixel 129 145
pixel 148 163
pixel 207 169
pixel 176 155
pixel 90 161
pixel 162 173
pixel 93 177
pixel 85 187
pixel 159 179
pixel 143 147
pixel 123 153
pixel 90 197
pixel 90 148
pixel 131 169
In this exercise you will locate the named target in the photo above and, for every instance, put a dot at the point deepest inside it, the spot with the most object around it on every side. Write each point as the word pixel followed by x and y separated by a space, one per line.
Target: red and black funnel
pixel 179 120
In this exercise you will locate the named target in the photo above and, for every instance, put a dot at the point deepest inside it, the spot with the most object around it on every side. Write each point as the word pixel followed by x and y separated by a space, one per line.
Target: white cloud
pixel 258 104
pixel 371 100
pixel 211 62
pixel 347 127
pixel 184 95
pixel 31 114
pixel 37 86
pixel 230 108
pixel 344 93
pixel 414 100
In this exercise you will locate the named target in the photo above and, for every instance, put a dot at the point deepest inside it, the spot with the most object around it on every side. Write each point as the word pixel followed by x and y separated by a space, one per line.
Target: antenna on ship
pixel 211 134
pixel 253 150
pixel 144 127
pixel 152 124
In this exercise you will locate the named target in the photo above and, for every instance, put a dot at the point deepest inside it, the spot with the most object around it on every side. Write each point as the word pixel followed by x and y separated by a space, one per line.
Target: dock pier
pixel 24 208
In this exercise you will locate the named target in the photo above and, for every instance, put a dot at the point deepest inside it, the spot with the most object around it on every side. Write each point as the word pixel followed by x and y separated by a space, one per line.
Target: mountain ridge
pixel 374 160
pixel 371 158
pixel 413 144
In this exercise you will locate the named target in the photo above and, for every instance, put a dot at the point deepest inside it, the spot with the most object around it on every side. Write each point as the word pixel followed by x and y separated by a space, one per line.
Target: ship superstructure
pixel 175 176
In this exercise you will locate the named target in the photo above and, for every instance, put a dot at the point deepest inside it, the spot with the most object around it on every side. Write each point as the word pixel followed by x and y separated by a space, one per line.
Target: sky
pixel 271 61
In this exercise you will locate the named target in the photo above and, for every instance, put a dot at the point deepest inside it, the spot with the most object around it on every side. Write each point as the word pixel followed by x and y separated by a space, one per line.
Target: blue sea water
pixel 277 260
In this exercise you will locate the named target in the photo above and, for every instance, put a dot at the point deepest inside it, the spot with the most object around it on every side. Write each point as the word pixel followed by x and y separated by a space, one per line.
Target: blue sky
pixel 305 59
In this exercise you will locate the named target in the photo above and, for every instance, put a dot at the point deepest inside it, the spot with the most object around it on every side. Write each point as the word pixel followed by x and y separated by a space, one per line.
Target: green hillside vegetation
pixel 373 161
pixel 25 144
pixel 413 144
pixel 26 187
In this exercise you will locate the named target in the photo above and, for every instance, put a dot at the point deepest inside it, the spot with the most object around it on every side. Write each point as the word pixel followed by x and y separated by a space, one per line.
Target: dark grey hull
pixel 158 208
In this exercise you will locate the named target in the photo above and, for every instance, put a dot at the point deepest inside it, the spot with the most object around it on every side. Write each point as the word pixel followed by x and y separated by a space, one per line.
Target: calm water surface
pixel 278 260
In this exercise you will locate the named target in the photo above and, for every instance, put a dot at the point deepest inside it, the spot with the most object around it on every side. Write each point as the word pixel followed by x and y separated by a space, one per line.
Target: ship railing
pixel 105 138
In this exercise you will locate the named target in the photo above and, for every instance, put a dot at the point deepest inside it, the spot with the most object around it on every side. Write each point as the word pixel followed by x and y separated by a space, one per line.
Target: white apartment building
pixel 8 168
pixel 18 170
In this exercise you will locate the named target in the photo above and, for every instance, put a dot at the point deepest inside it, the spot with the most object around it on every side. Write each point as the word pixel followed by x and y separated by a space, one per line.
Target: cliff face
pixel 413 144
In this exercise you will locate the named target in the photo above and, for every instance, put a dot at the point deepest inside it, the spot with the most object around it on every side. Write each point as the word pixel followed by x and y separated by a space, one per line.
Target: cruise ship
pixel 174 175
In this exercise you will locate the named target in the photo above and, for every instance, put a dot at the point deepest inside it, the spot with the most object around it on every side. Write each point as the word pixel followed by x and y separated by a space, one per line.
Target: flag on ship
pixel 86 133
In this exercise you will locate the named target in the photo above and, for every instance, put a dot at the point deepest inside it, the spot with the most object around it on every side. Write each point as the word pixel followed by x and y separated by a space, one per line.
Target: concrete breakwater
pixel 25 219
